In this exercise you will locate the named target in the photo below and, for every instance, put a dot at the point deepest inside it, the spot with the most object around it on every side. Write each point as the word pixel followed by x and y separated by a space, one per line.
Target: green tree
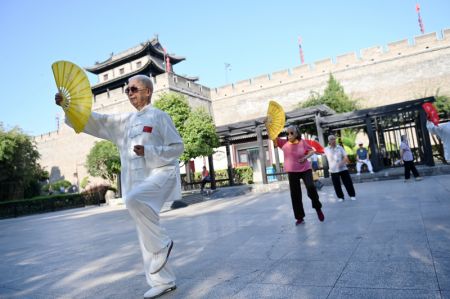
pixel 20 171
pixel 199 136
pixel 195 127
pixel 177 106
pixel 348 138
pixel 104 161
pixel 333 96
pixel 442 103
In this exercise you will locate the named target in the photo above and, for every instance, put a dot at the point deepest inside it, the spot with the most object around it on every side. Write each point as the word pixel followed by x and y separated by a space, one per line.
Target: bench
pixel 197 184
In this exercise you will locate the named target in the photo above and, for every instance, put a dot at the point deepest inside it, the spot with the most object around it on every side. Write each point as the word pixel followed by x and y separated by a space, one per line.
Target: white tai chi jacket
pixel 152 128
pixel 443 131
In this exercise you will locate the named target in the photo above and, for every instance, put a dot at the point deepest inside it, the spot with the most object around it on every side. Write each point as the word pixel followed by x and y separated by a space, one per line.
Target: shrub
pixel 96 194
pixel 84 182
pixel 243 175
pixel 56 186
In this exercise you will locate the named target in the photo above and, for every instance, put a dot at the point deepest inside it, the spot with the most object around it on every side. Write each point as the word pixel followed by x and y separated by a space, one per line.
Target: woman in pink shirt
pixel 296 153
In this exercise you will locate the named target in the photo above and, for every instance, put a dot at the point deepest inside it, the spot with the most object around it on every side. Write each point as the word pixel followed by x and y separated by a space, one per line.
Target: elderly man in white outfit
pixel 443 131
pixel 149 147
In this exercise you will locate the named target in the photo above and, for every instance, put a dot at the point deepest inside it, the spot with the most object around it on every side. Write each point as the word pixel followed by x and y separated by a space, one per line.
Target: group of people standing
pixel 297 154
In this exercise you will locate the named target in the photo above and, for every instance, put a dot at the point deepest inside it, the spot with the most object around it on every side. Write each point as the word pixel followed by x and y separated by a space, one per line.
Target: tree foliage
pixel 333 96
pixel 104 161
pixel 200 135
pixel 20 171
pixel 176 106
pixel 442 103
pixel 195 127
pixel 348 138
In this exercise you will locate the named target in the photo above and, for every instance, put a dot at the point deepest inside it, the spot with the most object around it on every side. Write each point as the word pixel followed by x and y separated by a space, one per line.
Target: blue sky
pixel 255 37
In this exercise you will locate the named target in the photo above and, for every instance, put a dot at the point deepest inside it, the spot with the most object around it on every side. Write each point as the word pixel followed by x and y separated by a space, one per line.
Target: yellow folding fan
pixel 75 89
pixel 275 120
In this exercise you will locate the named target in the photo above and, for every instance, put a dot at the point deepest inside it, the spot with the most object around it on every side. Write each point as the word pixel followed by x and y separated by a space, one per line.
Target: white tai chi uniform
pixel 443 131
pixel 149 180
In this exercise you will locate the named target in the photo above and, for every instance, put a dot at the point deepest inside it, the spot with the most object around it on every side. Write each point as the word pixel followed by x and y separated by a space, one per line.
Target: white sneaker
pixel 159 290
pixel 160 258
pixel 340 199
pixel 418 178
pixel 372 172
pixel 353 198
pixel 358 173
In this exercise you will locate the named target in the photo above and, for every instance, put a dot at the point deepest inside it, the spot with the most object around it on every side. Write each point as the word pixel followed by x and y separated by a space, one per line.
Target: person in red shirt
pixel 296 153
pixel 205 178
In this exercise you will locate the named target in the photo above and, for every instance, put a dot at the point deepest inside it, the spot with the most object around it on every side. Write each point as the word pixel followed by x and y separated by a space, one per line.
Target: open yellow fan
pixel 275 120
pixel 75 89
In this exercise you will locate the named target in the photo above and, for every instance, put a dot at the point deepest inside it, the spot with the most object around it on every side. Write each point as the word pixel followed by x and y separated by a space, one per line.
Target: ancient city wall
pixel 61 153
pixel 400 71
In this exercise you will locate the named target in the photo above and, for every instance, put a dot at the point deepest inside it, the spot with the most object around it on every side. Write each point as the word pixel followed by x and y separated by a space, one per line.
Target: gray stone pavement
pixel 392 242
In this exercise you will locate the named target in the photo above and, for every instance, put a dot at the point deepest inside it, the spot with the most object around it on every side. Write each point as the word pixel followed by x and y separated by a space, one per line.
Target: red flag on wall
pixel 300 50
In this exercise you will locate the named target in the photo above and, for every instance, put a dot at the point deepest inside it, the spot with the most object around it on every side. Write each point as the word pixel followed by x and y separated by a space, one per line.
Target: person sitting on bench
pixel 205 178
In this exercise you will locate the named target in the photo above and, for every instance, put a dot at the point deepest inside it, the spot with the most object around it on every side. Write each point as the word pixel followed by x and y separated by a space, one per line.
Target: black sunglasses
pixel 291 133
pixel 133 89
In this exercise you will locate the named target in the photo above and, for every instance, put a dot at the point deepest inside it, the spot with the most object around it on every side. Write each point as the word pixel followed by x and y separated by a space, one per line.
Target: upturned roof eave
pixel 146 47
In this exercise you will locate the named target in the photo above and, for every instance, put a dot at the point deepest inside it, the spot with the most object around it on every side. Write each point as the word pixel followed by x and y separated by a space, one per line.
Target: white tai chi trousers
pixel 144 202
pixel 359 163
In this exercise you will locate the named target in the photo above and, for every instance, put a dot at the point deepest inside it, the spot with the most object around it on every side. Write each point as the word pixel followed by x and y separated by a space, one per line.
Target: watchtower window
pixel 121 71
pixel 105 77
pixel 139 64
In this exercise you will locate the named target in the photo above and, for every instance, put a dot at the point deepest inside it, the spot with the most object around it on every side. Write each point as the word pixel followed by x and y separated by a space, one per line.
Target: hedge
pixel 42 204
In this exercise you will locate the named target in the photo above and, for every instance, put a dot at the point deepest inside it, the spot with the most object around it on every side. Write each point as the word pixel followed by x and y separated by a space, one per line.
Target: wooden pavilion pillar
pixel 424 138
pixel 262 154
pixel 212 173
pixel 277 161
pixel 230 165
pixel 374 159
pixel 319 129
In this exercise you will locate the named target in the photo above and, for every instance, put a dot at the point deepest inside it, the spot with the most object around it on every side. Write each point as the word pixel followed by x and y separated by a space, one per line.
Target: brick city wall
pixel 401 71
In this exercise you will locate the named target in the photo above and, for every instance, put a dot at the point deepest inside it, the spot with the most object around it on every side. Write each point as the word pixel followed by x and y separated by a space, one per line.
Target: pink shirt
pixel 293 152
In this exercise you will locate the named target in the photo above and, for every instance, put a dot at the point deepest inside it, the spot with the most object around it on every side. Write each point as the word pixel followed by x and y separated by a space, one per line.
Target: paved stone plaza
pixel 393 242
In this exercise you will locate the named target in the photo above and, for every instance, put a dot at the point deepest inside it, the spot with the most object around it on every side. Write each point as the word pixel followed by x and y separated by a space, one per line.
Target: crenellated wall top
pixel 419 44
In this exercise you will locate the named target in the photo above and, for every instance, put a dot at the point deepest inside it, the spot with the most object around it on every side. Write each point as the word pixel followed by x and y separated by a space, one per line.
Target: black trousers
pixel 348 183
pixel 296 192
pixel 409 166
pixel 204 181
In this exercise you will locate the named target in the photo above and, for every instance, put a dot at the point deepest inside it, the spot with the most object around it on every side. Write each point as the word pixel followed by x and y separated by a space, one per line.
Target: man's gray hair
pixel 143 79
pixel 331 137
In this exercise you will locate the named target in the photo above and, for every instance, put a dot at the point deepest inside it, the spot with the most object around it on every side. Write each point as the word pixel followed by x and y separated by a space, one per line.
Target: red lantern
pixel 432 113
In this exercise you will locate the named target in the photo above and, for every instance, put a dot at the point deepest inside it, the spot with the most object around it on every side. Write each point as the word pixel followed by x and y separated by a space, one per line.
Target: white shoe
pixel 418 178
pixel 340 199
pixel 353 198
pixel 358 173
pixel 159 290
pixel 372 172
pixel 160 258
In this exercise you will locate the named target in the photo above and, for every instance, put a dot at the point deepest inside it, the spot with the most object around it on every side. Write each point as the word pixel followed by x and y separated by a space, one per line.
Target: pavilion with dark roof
pixel 378 123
